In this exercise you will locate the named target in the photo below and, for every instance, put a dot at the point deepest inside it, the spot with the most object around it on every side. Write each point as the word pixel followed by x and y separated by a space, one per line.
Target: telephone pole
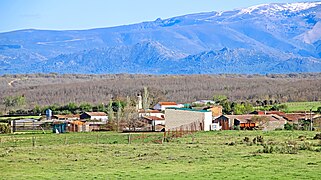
pixel 311 124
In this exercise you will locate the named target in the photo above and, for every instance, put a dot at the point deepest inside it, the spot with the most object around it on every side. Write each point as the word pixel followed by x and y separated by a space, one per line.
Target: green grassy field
pixel 303 106
pixel 204 155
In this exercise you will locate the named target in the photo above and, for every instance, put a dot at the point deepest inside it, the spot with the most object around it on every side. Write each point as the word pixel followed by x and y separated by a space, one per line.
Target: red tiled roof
pixel 153 118
pixel 96 113
pixel 149 111
pixel 280 113
pixel 167 103
pixel 295 117
pixel 248 117
pixel 67 116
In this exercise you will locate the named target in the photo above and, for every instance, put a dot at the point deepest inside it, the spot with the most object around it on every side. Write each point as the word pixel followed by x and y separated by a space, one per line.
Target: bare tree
pixel 146 100
pixel 130 114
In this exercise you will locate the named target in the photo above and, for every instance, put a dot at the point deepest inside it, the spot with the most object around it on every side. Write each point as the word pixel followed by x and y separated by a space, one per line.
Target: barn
pixel 94 116
pixel 249 121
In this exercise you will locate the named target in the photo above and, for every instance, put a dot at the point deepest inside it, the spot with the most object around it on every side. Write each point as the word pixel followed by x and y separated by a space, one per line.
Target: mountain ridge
pixel 276 33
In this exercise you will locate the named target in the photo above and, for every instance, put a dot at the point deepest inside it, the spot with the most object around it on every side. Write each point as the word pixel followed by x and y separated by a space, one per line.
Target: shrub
pixel 295 126
pixel 259 139
pixel 246 139
pixel 237 128
pixel 4 128
pixel 305 146
pixel 317 136
pixel 267 149
pixel 302 138
pixel 288 127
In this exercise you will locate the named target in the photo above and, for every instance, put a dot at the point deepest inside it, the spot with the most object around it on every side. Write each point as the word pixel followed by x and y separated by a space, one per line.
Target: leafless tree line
pixel 47 89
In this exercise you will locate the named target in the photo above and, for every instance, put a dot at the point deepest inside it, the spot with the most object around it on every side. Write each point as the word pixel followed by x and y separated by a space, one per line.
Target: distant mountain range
pixel 268 38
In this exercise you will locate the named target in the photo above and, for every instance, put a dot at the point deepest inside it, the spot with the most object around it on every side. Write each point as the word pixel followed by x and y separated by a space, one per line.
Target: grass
pixel 303 106
pixel 204 155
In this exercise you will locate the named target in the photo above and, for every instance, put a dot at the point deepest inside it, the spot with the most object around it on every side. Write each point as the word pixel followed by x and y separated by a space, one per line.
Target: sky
pixel 88 14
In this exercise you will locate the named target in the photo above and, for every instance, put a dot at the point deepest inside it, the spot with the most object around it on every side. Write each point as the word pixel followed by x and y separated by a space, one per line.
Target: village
pixel 201 115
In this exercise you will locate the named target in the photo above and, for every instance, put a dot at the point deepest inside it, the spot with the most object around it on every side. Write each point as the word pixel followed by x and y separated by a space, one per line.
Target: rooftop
pixel 96 113
pixel 248 117
pixel 188 109
pixel 151 118
pixel 149 111
pixel 167 103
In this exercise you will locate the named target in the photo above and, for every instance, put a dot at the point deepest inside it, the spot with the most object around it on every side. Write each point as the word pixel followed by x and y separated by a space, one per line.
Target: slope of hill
pixel 269 38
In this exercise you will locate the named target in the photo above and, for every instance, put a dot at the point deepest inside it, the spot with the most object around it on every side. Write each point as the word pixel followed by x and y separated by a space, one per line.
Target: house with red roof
pixel 161 106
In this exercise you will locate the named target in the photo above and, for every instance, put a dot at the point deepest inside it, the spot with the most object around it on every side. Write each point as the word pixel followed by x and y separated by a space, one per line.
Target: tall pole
pixel 311 124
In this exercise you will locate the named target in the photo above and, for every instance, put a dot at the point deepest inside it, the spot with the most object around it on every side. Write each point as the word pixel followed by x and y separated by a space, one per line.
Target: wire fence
pixel 41 138
pixel 22 140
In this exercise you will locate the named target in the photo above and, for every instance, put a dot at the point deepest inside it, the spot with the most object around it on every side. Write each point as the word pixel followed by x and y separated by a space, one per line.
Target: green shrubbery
pixel 4 128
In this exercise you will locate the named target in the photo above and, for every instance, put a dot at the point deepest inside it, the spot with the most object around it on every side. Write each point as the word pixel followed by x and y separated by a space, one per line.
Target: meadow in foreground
pixel 203 155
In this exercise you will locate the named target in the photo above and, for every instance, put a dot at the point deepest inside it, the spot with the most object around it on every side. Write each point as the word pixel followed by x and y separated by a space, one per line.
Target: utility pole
pixel 311 124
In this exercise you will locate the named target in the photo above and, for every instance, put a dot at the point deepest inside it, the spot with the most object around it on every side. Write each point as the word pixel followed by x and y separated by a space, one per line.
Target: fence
pixel 29 140
pixel 186 129
pixel 17 140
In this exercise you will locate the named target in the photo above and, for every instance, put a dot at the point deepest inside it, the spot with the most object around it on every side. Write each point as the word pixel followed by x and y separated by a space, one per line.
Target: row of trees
pixel 230 107
pixel 13 102
pixel 61 89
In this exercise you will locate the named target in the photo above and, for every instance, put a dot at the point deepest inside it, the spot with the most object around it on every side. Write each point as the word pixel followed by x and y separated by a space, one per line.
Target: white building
pixel 150 112
pixel 94 116
pixel 187 119
pixel 161 106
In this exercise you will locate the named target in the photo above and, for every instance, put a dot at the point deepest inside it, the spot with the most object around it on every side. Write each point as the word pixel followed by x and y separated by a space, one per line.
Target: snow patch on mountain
pixel 274 8
pixel 312 35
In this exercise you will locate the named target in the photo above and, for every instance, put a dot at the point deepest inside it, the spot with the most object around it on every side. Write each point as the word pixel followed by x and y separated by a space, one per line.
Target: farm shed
pixel 59 127
pixel 183 118
pixel 76 126
pixel 94 116
pixel 250 121
pixel 70 117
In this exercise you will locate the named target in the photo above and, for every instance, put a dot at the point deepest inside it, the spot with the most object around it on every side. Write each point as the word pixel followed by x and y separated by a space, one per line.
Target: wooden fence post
pixel 176 133
pixel 97 138
pixel 33 141
pixel 143 137
pixel 164 137
pixel 129 140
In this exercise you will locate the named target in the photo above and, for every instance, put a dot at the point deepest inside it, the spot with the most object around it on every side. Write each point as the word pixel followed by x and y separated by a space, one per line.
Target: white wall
pixel 174 118
pixel 152 114
pixel 103 118
pixel 163 107
pixel 207 121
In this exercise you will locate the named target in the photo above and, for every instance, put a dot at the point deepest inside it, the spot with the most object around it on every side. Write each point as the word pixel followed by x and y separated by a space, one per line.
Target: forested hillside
pixel 46 89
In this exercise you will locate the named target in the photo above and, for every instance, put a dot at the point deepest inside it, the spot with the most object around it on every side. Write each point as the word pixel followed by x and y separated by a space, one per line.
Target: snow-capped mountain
pixel 267 38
